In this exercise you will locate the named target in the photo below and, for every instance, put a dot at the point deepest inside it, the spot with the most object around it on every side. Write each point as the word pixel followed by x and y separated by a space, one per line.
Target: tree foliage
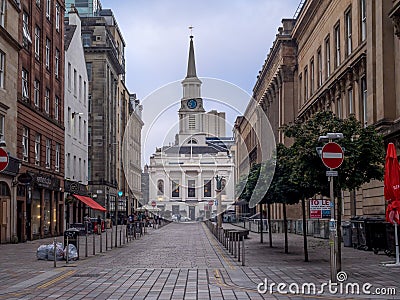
pixel 363 155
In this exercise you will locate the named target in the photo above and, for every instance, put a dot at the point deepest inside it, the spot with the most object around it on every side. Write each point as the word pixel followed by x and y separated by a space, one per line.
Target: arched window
pixel 160 187
pixel 4 189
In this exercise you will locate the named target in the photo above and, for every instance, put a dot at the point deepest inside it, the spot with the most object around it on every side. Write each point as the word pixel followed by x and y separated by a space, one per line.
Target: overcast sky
pixel 231 37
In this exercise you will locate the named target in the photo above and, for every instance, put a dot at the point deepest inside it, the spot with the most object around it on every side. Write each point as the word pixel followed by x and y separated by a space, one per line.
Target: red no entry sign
pixel 332 155
pixel 153 203
pixel 3 159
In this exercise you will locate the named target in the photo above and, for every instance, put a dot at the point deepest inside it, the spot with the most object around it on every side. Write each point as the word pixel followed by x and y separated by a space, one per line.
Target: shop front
pixel 40 199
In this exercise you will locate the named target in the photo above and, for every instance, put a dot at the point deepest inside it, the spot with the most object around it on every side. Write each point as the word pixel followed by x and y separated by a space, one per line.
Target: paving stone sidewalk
pixel 185 261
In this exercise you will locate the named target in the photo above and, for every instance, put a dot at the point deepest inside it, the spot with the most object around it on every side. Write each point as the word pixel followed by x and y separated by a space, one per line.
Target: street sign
pixel 210 202
pixel 331 173
pixel 320 208
pixel 332 155
pixel 153 203
pixel 24 178
pixel 3 159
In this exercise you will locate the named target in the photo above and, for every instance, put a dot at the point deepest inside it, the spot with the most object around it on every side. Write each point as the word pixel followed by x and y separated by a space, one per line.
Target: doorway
pixel 192 213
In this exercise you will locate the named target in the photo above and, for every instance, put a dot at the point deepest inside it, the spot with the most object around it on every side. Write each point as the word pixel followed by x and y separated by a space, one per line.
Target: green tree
pixel 363 162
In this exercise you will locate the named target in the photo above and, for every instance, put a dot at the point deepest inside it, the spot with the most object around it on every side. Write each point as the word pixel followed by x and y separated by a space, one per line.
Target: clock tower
pixel 191 112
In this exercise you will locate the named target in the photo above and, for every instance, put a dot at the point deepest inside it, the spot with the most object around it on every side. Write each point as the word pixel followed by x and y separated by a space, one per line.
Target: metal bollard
pixel 55 252
pixel 66 256
pixel 120 237
pixel 106 239
pixel 234 244
pixel 94 243
pixel 243 251
pixel 86 245
pixel 111 237
pixel 238 253
pixel 101 241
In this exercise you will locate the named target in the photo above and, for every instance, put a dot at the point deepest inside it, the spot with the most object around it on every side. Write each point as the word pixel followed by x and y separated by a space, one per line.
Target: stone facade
pixel 347 63
pixel 9 48
pixel 76 119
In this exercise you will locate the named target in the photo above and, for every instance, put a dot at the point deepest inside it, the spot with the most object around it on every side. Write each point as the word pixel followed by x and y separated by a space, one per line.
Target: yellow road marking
pixel 218 247
pixel 47 284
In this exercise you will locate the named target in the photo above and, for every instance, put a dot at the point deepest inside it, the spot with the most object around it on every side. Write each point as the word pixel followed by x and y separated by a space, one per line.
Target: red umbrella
pixel 392 185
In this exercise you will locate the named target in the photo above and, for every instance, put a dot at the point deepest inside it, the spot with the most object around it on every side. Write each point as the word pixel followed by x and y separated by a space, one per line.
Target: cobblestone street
pixel 183 261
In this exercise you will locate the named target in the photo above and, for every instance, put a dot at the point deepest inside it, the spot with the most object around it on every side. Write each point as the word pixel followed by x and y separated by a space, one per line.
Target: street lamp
pixel 218 180
pixel 329 137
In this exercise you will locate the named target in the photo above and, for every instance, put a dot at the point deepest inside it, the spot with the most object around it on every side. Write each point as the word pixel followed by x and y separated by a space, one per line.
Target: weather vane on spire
pixel 191 30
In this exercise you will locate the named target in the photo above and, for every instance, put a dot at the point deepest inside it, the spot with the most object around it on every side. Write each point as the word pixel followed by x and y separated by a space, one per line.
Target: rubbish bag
pixel 42 252
pixel 72 252
pixel 59 252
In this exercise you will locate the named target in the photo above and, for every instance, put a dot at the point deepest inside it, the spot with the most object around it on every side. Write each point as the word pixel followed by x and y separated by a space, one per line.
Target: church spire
pixel 191 69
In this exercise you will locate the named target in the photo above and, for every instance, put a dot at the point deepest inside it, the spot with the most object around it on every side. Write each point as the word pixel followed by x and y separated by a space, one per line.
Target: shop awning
pixel 89 202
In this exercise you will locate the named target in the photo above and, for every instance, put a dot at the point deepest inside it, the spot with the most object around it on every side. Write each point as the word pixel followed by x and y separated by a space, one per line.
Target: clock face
pixel 192 103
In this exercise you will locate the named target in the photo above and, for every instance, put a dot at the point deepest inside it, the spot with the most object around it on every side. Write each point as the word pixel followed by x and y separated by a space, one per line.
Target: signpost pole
pixel 332 233
pixel 332 156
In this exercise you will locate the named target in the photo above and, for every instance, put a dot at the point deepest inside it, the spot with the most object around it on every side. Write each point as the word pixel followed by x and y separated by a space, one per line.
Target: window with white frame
pixel 57 162
pixel 68 166
pixel 37 149
pixel 89 70
pixel 312 81
pixel 80 88
pixel 48 153
pixel 305 84
pixel 36 95
pixel 25 143
pixel 84 93
pixel 86 39
pixel 25 30
pixel 37 42
pixel 300 88
pixel 363 20
pixel 80 127
pixel 48 9
pixel 25 86
pixel 2 68
pixel 339 108
pixel 327 58
pixel 90 103
pixel 350 100
pixel 47 101
pixel 57 16
pixel 349 42
pixel 2 120
pixel 89 134
pixel 48 45
pixel 2 12
pixel 75 83
pixel 337 45
pixel 364 100
pixel 57 63
pixel 69 76
pixel 69 117
pixel 56 108
pixel 319 62
pixel 84 132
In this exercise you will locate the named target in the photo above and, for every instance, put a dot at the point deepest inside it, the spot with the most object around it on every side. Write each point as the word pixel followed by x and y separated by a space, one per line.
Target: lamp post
pixel 218 180
pixel 120 193
pixel 337 159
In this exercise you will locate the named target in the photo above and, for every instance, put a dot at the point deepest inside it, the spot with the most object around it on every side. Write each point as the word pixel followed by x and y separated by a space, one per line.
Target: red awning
pixel 89 202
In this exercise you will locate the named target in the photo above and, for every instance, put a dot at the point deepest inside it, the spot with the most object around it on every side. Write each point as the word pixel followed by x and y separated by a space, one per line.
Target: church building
pixel 182 176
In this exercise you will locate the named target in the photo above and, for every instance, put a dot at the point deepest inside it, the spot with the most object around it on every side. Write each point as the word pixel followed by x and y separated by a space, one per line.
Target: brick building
pixel 40 121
